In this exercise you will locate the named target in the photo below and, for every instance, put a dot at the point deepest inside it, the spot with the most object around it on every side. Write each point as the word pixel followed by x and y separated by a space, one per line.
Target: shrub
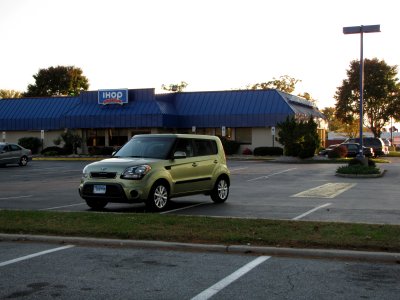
pixel 31 143
pixel 52 151
pixel 72 142
pixel 247 151
pixel 358 169
pixel 262 151
pixel 357 162
pixel 307 152
pixel 96 150
pixel 230 147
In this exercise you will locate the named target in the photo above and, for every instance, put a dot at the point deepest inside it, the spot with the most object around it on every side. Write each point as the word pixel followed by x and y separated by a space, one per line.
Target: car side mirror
pixel 179 154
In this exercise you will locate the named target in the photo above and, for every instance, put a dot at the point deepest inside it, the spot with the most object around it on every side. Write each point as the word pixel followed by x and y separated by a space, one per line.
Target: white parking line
pixel 311 211
pixel 211 291
pixel 16 197
pixel 50 208
pixel 237 169
pixel 273 174
pixel 182 208
pixel 8 262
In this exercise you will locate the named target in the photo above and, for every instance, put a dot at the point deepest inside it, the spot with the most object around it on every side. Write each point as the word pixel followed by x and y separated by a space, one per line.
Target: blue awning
pixel 35 113
pixel 145 109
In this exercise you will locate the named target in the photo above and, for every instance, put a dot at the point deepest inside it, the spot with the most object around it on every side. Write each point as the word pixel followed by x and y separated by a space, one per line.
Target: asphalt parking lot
pixel 33 270
pixel 47 271
pixel 259 189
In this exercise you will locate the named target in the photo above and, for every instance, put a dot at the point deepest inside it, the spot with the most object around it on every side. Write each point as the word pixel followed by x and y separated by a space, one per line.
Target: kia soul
pixel 153 168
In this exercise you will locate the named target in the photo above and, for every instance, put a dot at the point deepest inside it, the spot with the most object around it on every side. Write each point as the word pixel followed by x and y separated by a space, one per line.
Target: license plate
pixel 99 189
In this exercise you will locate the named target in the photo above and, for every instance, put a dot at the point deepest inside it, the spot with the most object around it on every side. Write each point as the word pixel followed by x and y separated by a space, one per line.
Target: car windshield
pixel 149 147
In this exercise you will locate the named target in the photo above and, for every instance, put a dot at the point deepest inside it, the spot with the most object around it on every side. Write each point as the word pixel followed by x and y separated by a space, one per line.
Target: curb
pixel 386 257
pixel 361 175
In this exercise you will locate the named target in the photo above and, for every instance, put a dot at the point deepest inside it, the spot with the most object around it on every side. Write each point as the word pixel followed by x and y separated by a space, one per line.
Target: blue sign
pixel 113 96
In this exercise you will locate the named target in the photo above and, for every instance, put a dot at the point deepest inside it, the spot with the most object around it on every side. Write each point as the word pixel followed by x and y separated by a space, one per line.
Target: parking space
pixel 258 190
pixel 47 271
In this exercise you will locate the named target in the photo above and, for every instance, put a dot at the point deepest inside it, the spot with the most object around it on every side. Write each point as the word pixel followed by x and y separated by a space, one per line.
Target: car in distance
pixel 325 151
pixel 375 143
pixel 14 154
pixel 153 168
pixel 352 149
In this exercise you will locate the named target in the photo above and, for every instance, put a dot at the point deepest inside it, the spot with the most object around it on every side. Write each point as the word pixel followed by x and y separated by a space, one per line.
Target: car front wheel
pixel 158 197
pixel 23 161
pixel 221 190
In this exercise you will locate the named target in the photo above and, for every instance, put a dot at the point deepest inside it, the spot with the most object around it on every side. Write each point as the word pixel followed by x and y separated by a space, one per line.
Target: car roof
pixel 178 135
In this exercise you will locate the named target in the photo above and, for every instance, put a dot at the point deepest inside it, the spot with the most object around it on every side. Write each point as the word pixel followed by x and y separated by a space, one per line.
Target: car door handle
pixel 215 161
pixel 194 165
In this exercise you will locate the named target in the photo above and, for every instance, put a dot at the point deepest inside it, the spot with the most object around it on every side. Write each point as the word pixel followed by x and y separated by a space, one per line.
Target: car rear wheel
pixel 96 204
pixel 23 161
pixel 221 190
pixel 158 198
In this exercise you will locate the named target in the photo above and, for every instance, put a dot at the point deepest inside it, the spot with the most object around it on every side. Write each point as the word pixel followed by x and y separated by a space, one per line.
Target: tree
pixel 56 81
pixel 381 95
pixel 299 138
pixel 285 83
pixel 179 87
pixel 308 97
pixel 10 94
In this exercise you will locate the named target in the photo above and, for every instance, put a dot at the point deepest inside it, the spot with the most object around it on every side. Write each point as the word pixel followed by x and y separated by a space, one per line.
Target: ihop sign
pixel 113 97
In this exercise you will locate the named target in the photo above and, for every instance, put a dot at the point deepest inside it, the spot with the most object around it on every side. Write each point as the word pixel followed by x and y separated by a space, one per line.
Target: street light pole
pixel 361 29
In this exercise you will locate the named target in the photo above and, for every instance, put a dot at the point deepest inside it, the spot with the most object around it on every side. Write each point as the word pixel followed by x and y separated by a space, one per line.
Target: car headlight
pixel 136 172
pixel 85 175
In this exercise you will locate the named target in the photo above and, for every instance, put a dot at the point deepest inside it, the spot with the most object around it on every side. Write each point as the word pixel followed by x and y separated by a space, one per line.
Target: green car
pixel 153 168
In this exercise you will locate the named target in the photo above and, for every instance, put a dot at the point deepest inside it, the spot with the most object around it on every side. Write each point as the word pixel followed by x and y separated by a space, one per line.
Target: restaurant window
pixel 243 135
pixel 96 137
pixel 117 137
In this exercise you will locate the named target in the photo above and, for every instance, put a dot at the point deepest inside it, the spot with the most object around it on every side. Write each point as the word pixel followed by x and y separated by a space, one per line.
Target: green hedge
pixel 96 150
pixel 31 143
pixel 230 147
pixel 262 151
pixel 53 151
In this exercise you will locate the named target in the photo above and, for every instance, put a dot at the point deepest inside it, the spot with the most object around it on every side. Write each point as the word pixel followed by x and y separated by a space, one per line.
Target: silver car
pixel 14 154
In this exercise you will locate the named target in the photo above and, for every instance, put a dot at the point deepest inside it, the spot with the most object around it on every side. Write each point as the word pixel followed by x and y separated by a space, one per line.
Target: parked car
pixel 153 168
pixel 375 143
pixel 327 149
pixel 352 149
pixel 14 154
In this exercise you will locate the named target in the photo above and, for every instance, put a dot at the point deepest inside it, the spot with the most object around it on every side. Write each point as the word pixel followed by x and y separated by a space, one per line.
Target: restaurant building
pixel 111 117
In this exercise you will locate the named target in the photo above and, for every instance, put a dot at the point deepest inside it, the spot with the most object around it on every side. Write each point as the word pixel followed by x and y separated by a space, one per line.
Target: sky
pixel 210 44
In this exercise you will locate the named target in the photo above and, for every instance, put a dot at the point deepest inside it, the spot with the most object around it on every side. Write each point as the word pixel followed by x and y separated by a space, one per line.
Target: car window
pixel 184 145
pixel 14 147
pixel 353 147
pixel 151 147
pixel 2 147
pixel 205 147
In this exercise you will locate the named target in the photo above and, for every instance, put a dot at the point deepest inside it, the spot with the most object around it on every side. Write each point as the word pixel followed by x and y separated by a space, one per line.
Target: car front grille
pixel 106 175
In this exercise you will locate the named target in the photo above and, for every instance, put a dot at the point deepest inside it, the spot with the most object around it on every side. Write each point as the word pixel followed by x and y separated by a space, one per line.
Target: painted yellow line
pixel 328 190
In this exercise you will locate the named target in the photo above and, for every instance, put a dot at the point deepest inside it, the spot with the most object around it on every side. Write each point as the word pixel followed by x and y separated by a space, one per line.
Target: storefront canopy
pixel 144 108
